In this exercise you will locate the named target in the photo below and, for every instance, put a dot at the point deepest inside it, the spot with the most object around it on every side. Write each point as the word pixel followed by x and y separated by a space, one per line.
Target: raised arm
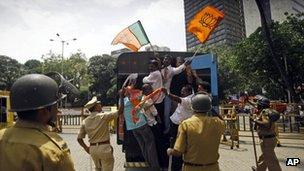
pixel 179 69
pixel 172 96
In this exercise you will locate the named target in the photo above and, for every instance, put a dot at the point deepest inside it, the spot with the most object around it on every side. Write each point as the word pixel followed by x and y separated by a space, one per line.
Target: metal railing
pixel 75 117
pixel 290 121
pixel 287 123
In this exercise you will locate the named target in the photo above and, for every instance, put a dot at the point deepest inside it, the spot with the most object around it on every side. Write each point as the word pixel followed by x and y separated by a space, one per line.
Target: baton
pixel 170 156
pixel 253 140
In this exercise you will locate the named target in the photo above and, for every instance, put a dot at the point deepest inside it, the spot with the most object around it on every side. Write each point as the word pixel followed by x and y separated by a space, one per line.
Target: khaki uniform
pixel 31 146
pixel 198 139
pixel 96 125
pixel 277 134
pixel 268 141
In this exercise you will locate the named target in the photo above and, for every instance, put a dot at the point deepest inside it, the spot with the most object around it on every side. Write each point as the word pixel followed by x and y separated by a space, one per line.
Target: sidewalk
pixel 237 159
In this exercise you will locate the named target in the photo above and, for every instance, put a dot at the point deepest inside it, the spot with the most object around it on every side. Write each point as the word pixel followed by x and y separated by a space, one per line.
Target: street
pixel 237 159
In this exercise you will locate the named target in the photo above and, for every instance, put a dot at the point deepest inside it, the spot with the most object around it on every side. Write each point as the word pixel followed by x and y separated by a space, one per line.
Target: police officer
pixel 199 137
pixel 96 125
pixel 266 132
pixel 29 145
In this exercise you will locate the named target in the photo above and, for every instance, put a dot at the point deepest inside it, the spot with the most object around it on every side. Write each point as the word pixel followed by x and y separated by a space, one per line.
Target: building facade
pixel 275 11
pixel 230 30
pixel 157 48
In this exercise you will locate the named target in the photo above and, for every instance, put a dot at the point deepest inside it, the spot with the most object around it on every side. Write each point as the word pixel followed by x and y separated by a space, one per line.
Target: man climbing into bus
pixel 182 112
pixel 167 74
pixel 139 127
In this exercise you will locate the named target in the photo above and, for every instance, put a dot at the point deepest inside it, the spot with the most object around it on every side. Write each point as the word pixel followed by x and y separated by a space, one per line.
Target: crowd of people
pixel 192 127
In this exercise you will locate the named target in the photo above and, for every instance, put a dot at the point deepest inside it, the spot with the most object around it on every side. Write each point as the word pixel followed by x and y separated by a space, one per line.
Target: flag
pixel 134 37
pixel 204 22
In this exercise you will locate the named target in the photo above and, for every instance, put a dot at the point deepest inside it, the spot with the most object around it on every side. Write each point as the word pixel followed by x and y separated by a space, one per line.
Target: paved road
pixel 237 159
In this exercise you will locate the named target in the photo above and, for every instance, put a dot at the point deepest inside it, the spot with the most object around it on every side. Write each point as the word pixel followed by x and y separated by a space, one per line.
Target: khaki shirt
pixel 31 146
pixel 268 129
pixel 96 125
pixel 198 139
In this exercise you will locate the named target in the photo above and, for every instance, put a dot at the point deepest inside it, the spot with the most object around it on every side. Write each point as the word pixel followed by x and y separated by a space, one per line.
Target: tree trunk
pixel 273 54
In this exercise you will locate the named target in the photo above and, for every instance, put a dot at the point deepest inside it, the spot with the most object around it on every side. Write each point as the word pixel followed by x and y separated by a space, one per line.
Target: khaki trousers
pixel 102 156
pixel 268 158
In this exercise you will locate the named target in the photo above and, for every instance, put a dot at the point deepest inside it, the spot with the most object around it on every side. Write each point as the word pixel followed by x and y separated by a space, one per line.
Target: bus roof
pixel 137 62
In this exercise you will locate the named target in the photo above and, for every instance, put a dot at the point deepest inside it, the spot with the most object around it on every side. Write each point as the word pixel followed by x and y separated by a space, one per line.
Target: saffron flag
pixel 204 22
pixel 134 37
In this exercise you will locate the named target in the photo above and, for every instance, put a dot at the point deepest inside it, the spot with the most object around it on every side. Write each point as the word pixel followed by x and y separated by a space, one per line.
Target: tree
pixel 10 70
pixel 254 60
pixel 33 66
pixel 52 63
pixel 228 76
pixel 101 68
pixel 249 66
pixel 74 70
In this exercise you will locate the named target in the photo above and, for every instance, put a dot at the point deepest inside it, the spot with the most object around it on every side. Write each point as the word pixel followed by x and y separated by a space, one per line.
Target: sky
pixel 28 25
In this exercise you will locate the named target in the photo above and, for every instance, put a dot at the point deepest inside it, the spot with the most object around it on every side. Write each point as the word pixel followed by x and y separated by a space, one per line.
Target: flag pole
pixel 196 51
pixel 152 49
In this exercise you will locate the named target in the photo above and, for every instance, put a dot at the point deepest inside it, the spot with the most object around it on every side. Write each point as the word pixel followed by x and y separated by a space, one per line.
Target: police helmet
pixel 201 103
pixel 262 101
pixel 32 92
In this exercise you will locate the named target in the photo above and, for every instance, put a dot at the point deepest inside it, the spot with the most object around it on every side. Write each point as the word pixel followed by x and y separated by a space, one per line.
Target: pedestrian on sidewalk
pixel 265 121
pixel 96 126
pixel 198 137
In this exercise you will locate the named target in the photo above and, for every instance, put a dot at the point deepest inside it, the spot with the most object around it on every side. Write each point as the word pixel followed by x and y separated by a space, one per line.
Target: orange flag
pixel 204 22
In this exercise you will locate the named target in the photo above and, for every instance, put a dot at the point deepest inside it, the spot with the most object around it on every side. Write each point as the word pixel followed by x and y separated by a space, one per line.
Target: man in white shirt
pixel 155 80
pixel 182 112
pixel 167 74
pixel 162 142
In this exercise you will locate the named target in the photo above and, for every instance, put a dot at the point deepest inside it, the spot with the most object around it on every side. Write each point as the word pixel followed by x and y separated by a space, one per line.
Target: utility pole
pixel 63 42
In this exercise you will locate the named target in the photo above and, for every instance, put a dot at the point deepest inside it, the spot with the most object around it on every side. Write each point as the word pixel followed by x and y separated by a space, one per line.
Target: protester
pixel 184 78
pixel 96 126
pixel 156 81
pixel 167 74
pixel 198 137
pixel 182 112
pixel 148 107
pixel 29 144
pixel 140 129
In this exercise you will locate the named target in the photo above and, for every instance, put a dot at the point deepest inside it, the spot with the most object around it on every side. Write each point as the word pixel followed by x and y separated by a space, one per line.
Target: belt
pixel 267 136
pixel 197 165
pixel 100 143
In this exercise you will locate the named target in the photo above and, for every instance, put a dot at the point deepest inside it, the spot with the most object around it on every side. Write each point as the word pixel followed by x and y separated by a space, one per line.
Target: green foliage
pixel 257 66
pixel 248 66
pixel 101 68
pixel 10 70
pixel 33 66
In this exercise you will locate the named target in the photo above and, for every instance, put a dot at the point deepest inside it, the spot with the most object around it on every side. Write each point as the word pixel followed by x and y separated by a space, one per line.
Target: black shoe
pixel 253 168
pixel 279 145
